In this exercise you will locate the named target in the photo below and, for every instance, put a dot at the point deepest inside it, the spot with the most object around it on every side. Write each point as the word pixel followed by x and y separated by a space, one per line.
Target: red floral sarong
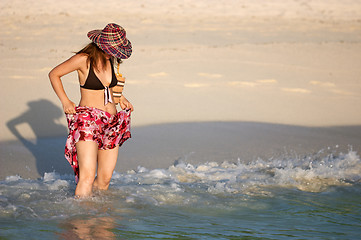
pixel 92 124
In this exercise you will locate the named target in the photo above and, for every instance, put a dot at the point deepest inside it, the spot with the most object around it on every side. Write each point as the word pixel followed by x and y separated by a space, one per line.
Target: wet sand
pixel 161 145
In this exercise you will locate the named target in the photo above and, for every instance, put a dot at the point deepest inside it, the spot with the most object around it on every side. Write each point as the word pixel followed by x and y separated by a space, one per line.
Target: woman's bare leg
pixel 87 158
pixel 107 159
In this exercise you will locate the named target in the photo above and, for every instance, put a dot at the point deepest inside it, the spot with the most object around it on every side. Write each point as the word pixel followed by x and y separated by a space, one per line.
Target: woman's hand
pixel 125 104
pixel 69 107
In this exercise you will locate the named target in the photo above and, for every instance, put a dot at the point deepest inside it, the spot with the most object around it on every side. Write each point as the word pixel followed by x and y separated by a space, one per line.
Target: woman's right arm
pixel 76 62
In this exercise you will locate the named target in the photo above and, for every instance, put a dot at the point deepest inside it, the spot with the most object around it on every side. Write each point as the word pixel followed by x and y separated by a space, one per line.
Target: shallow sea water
pixel 309 197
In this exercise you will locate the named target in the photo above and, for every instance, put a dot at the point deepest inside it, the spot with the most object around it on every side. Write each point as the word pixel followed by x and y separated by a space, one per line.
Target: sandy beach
pixel 247 120
pixel 210 80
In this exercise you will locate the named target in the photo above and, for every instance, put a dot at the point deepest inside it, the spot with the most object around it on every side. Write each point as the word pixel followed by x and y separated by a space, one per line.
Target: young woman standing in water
pixel 96 129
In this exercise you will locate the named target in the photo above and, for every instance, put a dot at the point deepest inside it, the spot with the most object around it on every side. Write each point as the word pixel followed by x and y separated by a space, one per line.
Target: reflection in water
pixel 92 218
pixel 42 117
pixel 89 227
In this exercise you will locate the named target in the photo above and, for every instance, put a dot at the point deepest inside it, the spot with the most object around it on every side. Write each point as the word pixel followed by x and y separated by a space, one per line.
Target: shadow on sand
pixel 160 145
pixel 48 150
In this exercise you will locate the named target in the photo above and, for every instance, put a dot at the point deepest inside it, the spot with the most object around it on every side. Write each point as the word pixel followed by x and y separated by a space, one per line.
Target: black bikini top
pixel 92 81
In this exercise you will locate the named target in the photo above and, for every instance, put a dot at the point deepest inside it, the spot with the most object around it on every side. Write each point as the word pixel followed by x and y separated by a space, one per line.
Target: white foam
pixel 13 178
pixel 184 184
pixel 180 184
pixel 50 176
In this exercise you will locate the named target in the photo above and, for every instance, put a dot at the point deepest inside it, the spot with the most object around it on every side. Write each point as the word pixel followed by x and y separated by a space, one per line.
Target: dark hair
pixel 94 55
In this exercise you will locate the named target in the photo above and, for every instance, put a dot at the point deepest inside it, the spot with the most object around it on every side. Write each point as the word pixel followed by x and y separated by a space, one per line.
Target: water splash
pixel 182 184
pixel 185 183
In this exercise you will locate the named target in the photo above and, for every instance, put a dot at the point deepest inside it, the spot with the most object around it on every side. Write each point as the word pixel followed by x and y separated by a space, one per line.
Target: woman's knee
pixel 104 179
pixel 88 179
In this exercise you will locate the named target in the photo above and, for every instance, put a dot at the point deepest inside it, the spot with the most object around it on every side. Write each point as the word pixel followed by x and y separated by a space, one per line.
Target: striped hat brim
pixel 112 40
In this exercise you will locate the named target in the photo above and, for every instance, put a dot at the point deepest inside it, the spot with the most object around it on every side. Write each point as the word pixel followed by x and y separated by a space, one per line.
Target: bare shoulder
pixel 78 62
pixel 79 59
pixel 81 56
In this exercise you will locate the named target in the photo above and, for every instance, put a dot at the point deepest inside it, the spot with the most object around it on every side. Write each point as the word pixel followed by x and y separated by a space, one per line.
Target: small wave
pixel 183 184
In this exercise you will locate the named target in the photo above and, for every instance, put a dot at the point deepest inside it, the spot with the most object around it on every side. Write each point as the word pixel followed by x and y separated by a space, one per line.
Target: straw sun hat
pixel 112 40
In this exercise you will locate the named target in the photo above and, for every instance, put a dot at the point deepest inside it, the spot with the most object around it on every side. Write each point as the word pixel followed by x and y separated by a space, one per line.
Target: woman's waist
pixel 109 108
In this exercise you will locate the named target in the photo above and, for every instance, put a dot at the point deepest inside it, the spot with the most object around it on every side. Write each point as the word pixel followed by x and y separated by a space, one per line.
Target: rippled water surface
pixel 312 197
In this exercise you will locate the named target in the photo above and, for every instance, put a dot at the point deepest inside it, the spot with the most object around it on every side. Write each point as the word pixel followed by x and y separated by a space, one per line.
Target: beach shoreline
pixel 162 145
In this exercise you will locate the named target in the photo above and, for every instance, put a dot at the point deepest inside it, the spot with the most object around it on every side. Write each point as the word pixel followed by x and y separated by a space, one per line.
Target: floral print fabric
pixel 92 124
